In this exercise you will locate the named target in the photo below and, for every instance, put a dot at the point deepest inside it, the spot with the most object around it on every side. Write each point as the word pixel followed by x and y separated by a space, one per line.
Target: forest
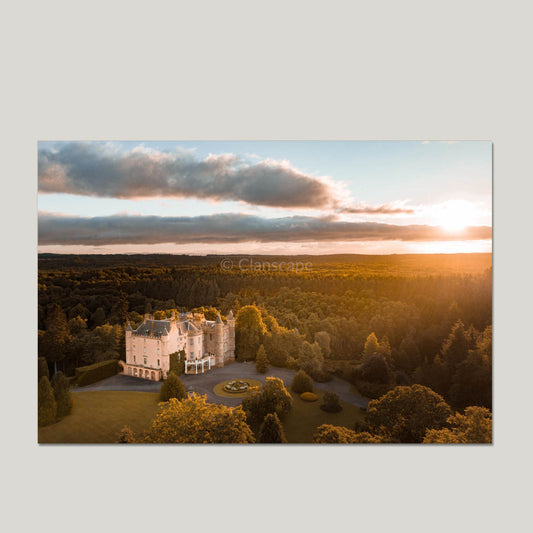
pixel 377 321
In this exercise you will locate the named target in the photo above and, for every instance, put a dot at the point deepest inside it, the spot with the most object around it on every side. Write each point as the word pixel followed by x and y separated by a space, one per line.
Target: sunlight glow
pixel 455 215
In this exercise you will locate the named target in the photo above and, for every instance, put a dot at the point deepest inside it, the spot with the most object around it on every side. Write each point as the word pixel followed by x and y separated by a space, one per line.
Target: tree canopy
pixel 193 420
pixel 405 413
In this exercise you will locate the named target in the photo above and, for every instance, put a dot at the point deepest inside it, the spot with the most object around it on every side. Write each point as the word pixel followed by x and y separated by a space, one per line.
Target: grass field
pixel 305 417
pixel 98 417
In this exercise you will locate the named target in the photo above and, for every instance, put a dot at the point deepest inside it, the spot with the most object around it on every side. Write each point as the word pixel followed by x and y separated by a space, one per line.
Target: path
pixel 204 383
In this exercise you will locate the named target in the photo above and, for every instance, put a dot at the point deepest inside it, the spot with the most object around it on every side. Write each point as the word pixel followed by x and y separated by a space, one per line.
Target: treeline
pixel 411 303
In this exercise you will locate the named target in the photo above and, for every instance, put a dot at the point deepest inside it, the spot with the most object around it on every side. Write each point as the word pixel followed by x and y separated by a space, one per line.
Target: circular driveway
pixel 204 383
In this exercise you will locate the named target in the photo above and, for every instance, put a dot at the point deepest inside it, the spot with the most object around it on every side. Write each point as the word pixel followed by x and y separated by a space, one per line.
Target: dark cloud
pixel 385 209
pixel 93 169
pixel 232 228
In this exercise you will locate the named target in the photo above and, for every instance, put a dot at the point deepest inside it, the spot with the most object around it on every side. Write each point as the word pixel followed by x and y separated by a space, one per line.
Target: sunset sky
pixel 265 197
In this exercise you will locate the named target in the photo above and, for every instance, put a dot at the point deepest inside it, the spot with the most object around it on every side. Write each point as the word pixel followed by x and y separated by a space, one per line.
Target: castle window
pixel 192 342
pixel 145 360
pixel 134 359
pixel 210 336
pixel 158 362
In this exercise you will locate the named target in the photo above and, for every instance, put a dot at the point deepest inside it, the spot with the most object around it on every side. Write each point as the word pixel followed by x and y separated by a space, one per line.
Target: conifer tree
pixel 62 395
pixel 47 403
pixel 172 387
pixel 371 344
pixel 42 368
pixel 261 360
pixel 271 430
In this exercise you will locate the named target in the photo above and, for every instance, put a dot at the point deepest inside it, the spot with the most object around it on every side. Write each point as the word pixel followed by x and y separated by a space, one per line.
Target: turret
pixel 219 341
pixel 231 336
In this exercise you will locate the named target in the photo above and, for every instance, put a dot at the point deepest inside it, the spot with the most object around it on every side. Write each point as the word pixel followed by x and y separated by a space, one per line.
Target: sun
pixel 455 215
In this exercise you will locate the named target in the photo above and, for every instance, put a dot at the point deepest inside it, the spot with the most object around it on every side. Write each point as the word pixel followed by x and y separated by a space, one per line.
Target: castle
pixel 206 343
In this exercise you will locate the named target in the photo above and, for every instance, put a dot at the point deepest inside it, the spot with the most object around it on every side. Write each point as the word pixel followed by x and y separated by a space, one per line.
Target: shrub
pixel 309 397
pixel 86 375
pixel 261 361
pixel 47 402
pixel 328 434
pixel 172 387
pixel 271 430
pixel 332 403
pixel 301 382
pixel 126 436
pixel 61 386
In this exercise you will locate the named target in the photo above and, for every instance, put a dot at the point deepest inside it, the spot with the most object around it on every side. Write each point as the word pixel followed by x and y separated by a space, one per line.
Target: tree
pixel 61 386
pixel 311 360
pixel 261 360
pixel 384 346
pixel 42 368
pixel 371 345
pixel 271 430
pixel 193 420
pixel 324 341
pixel 98 317
pixel 177 362
pixel 329 434
pixel 172 387
pixel 332 403
pixel 405 413
pixel 455 347
pixel 376 369
pixel 56 335
pixel 475 426
pixel 472 382
pixel 47 403
pixel 77 326
pixel 126 436
pixel 272 397
pixel 302 382
pixel 249 332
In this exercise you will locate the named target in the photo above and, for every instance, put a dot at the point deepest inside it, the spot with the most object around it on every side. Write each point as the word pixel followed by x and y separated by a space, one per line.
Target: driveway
pixel 204 383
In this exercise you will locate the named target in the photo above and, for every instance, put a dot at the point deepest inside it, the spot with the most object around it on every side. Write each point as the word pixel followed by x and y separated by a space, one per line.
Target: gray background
pixel 267 70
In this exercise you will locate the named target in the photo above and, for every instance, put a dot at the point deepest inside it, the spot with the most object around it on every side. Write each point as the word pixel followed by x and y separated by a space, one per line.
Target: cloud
pixel 232 228
pixel 384 209
pixel 94 169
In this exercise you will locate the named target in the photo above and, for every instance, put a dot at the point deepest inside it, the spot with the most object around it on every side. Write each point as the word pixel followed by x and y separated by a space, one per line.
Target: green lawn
pixel 305 417
pixel 99 416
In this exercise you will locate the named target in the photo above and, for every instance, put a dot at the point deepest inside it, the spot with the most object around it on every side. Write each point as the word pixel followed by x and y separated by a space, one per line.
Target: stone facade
pixel 206 343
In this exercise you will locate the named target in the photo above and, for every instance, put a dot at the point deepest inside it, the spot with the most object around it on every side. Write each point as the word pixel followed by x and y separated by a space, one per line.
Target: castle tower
pixel 128 341
pixel 231 334
pixel 219 341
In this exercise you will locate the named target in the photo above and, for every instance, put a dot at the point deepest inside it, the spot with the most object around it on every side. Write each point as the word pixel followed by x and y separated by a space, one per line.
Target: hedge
pixel 309 396
pixel 85 375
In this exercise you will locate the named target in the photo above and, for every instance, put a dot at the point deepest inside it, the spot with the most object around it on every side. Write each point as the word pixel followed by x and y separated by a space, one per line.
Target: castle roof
pixel 153 327
pixel 230 315
pixel 128 327
pixel 218 320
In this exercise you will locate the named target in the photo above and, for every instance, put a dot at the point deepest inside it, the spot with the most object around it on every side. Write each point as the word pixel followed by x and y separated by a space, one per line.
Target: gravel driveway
pixel 204 383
